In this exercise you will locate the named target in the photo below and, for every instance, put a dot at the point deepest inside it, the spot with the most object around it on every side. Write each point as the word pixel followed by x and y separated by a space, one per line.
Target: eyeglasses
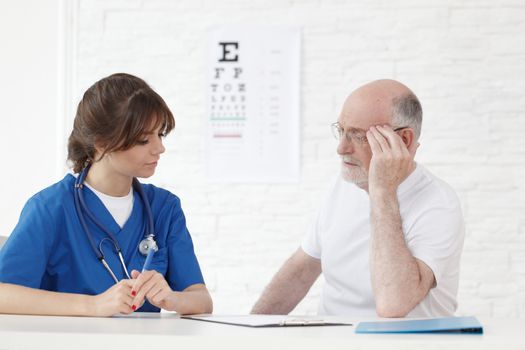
pixel 358 136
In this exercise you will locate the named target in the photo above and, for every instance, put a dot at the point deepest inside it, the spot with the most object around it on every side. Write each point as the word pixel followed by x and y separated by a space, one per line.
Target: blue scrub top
pixel 49 249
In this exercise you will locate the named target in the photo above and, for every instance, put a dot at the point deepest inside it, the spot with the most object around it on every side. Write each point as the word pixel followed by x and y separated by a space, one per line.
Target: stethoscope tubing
pixel 80 206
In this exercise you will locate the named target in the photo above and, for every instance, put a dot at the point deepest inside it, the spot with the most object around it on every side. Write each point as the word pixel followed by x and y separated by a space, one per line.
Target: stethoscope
pixel 144 246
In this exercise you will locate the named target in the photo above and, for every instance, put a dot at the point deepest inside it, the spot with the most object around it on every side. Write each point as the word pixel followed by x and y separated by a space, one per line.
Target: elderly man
pixel 389 237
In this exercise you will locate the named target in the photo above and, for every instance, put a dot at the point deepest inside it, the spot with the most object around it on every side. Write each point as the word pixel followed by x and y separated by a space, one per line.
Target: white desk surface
pixel 151 331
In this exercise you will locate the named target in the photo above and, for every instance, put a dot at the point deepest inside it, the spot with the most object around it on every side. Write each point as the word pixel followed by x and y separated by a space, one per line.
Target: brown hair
pixel 115 113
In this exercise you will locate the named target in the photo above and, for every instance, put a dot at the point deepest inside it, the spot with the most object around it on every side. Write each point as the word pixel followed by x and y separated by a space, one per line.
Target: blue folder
pixel 431 325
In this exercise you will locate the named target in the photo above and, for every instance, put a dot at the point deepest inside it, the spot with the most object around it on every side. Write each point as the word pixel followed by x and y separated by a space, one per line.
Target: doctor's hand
pixel 391 161
pixel 116 299
pixel 152 286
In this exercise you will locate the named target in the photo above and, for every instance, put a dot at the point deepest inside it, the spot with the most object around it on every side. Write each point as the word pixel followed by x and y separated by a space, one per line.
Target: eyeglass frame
pixel 338 131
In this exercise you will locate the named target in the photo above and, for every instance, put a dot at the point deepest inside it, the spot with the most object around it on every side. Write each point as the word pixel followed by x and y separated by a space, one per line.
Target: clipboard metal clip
pixel 301 322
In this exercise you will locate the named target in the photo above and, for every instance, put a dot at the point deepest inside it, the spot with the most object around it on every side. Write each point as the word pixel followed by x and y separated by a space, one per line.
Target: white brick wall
pixel 464 59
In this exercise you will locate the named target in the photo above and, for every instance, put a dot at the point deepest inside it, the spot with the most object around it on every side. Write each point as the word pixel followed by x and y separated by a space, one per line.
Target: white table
pixel 168 331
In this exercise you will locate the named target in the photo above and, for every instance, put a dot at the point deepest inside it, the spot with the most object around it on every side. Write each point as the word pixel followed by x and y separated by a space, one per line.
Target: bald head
pixel 383 102
pixel 383 90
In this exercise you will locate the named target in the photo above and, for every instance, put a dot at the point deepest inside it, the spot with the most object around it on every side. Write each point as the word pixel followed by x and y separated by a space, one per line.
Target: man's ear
pixel 409 139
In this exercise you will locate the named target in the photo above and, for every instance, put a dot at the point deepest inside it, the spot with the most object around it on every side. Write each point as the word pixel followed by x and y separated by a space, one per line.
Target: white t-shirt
pixel 340 237
pixel 119 207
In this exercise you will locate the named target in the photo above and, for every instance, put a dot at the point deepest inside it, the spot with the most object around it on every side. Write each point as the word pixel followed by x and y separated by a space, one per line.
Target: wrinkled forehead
pixel 363 109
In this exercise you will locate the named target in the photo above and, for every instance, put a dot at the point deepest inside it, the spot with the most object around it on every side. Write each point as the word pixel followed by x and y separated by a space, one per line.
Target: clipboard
pixel 262 321
pixel 430 325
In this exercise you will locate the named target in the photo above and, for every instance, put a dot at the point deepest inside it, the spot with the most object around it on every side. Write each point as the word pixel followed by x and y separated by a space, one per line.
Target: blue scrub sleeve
pixel 183 269
pixel 24 257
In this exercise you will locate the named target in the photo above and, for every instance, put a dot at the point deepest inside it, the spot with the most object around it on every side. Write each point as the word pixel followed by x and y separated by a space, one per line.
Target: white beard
pixel 356 175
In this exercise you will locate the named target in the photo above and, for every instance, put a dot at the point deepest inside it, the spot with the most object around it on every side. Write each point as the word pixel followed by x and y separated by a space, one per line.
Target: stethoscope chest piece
pixel 146 244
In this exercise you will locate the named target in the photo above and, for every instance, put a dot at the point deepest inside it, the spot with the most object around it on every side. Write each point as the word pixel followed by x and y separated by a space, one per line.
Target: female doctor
pixel 80 245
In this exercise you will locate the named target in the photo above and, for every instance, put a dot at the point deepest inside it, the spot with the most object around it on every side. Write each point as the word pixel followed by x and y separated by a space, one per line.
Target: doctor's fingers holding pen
pixel 152 286
pixel 116 299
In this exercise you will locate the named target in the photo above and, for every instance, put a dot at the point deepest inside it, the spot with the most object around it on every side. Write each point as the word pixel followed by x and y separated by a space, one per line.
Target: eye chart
pixel 253 104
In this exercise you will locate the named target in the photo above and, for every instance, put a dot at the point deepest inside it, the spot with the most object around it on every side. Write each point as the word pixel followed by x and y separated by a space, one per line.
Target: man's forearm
pixel 289 285
pixel 395 272
pixel 280 296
